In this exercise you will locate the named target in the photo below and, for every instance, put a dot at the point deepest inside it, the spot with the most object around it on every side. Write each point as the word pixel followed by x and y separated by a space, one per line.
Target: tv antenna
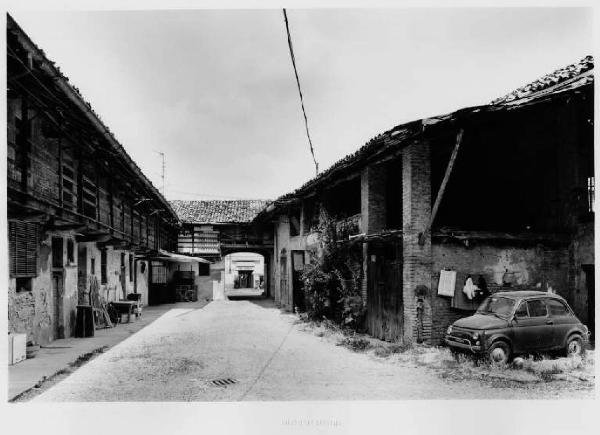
pixel 162 176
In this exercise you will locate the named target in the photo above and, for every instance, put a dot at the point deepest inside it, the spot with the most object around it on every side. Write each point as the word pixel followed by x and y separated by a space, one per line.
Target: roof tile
pixel 218 211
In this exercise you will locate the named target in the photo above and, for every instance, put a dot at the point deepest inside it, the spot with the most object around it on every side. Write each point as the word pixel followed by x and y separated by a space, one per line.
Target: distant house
pixel 503 193
pixel 215 228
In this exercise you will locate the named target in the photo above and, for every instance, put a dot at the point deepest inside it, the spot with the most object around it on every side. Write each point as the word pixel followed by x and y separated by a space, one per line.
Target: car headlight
pixel 449 330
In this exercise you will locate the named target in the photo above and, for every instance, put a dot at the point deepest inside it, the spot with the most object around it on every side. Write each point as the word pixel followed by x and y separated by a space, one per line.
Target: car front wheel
pixel 499 353
pixel 574 346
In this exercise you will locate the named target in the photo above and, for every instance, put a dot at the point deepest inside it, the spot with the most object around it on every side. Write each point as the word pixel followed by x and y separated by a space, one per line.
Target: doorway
pixel 58 290
pixel 297 284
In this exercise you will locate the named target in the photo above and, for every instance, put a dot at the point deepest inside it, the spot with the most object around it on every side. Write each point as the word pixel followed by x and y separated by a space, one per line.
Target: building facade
pixel 81 214
pixel 502 194
pixel 216 229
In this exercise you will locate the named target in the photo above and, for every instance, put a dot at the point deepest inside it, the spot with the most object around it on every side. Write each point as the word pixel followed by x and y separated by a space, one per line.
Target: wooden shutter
pixel 23 240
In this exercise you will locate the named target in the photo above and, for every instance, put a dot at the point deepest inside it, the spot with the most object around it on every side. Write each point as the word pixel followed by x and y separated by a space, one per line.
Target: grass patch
pixel 357 344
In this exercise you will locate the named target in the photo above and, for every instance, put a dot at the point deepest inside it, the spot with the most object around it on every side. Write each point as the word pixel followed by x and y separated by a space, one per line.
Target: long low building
pixel 82 216
pixel 502 194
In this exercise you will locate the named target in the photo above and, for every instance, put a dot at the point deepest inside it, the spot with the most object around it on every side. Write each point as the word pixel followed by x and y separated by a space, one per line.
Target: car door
pixel 532 332
pixel 562 321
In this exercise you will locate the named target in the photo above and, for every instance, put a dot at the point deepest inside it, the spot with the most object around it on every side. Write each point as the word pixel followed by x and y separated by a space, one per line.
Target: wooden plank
pixel 442 189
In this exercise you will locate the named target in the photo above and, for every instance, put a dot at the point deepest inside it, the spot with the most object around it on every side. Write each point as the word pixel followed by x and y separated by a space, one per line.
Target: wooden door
pixel 384 292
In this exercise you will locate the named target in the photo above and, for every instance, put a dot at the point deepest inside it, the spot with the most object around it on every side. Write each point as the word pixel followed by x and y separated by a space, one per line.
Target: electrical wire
pixel 289 38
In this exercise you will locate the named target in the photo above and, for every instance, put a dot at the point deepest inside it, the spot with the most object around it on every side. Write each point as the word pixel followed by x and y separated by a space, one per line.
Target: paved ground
pixel 59 354
pixel 177 357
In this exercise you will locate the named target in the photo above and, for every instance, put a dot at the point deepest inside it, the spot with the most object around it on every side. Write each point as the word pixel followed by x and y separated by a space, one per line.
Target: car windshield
pixel 501 307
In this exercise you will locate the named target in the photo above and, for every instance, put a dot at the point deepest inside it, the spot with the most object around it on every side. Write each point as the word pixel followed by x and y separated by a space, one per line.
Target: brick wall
pixel 533 267
pixel 373 198
pixel 416 209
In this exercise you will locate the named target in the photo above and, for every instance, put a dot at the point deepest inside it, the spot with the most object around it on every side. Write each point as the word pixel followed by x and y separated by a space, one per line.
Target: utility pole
pixel 162 155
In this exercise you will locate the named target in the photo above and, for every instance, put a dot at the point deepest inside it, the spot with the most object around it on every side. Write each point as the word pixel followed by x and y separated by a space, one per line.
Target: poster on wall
pixel 447 283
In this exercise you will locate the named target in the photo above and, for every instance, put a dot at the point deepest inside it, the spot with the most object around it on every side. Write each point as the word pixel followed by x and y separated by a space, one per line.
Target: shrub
pixel 332 280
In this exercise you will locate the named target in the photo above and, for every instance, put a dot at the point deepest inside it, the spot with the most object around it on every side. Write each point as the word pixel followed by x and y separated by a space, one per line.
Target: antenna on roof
pixel 162 188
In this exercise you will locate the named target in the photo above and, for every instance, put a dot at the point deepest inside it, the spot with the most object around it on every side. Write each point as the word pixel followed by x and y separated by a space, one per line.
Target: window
pixel 57 252
pixel 294 219
pixel 537 308
pixel 204 269
pixel 522 310
pixel 93 266
pixel 103 279
pixel 159 273
pixel 23 284
pixel 23 249
pixel 70 251
pixel 557 308
pixel 130 267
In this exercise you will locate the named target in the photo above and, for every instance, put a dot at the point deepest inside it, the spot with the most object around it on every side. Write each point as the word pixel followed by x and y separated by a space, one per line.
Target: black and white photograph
pixel 300 206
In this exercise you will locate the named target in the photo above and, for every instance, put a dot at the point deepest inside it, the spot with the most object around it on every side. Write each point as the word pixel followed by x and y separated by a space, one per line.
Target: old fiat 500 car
pixel 518 322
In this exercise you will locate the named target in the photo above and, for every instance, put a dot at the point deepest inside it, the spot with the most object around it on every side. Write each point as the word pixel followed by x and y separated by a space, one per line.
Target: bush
pixel 332 280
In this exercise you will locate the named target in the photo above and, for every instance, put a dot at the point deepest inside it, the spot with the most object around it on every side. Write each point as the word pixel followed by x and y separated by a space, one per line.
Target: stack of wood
pixel 101 316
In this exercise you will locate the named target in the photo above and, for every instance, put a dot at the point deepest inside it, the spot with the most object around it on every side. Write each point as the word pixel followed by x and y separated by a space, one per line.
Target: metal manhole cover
pixel 223 382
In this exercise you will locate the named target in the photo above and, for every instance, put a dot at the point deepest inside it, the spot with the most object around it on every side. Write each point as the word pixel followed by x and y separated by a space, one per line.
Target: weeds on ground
pixel 357 344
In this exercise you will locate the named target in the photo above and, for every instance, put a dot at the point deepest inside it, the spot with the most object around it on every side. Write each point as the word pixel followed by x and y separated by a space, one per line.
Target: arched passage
pixel 249 269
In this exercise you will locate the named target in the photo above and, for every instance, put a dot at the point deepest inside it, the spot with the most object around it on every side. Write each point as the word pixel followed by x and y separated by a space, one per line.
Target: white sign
pixel 447 283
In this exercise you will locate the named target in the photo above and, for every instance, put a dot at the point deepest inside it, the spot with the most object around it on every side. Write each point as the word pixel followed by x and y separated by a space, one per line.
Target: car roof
pixel 519 294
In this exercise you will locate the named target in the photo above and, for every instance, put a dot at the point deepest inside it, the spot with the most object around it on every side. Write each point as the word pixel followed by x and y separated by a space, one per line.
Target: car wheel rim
pixel 498 355
pixel 574 347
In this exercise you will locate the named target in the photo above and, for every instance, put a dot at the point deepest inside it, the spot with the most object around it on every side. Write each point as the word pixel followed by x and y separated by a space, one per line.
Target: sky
pixel 214 90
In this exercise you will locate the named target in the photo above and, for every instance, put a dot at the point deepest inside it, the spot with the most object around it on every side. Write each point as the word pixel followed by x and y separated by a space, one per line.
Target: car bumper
pixel 462 344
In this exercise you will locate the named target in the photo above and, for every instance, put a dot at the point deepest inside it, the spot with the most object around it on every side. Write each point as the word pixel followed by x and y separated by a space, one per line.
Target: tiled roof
pixel 567 78
pixel 562 79
pixel 218 211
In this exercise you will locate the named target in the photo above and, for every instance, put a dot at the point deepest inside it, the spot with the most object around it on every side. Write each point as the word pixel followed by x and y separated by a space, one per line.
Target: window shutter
pixel 23 249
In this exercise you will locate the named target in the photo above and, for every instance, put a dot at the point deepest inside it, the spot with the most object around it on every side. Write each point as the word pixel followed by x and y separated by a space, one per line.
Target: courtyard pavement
pixel 248 350
pixel 60 354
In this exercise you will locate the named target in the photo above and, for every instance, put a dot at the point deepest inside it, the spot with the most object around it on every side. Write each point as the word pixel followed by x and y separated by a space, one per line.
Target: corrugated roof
pixel 218 211
pixel 569 77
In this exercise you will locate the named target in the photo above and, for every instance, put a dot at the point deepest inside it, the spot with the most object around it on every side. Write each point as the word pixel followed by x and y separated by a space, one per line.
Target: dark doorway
pixel 297 284
pixel 82 275
pixel 58 291
pixel 157 289
pixel 588 269
pixel 246 279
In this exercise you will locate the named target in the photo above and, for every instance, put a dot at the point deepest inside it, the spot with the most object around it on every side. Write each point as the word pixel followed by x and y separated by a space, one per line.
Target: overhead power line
pixel 289 38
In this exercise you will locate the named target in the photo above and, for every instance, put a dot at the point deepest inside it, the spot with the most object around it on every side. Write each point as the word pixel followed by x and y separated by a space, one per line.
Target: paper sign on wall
pixel 447 283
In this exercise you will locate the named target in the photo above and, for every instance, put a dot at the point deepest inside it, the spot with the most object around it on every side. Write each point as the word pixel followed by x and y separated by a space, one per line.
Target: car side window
pixel 537 308
pixel 522 310
pixel 557 308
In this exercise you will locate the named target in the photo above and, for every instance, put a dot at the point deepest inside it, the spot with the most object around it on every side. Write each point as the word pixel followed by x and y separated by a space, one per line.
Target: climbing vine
pixel 332 279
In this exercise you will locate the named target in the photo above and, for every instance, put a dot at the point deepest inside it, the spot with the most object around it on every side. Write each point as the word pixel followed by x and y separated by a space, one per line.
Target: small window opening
pixel 93 266
pixel 24 284
pixel 103 274
pixel 70 251
pixel 130 267
pixel 57 252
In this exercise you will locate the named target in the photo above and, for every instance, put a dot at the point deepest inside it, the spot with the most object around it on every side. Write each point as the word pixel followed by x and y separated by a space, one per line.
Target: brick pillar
pixel 372 211
pixel 372 199
pixel 417 261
